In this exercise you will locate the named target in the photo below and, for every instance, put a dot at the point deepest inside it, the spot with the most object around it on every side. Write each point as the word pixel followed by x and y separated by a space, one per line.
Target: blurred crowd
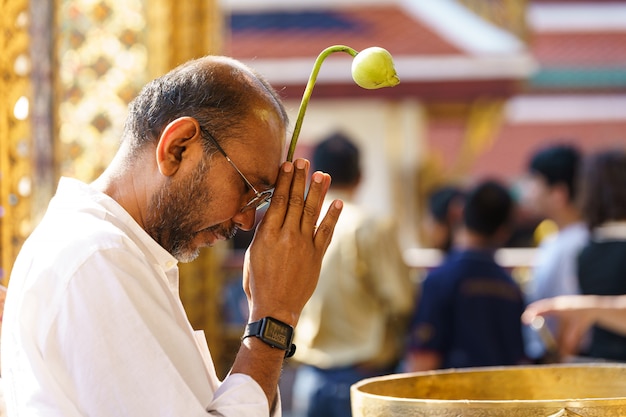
pixel 371 316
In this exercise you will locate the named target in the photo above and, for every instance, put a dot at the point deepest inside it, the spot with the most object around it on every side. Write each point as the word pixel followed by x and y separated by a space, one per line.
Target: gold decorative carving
pixel 565 413
pixel 101 66
pixel 15 140
pixel 182 30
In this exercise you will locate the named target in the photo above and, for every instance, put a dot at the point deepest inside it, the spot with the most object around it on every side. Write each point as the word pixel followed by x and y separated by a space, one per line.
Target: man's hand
pixel 575 313
pixel 282 265
pixel 284 260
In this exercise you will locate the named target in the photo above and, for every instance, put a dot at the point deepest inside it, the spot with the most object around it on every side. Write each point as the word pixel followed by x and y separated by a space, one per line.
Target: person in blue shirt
pixel 602 262
pixel 469 311
pixel 551 191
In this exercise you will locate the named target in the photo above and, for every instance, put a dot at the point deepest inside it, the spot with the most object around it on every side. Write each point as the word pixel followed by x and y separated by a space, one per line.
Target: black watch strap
pixel 273 332
pixel 253 329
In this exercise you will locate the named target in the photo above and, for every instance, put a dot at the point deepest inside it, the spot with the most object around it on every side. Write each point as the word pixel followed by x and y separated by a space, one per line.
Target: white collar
pixel 611 230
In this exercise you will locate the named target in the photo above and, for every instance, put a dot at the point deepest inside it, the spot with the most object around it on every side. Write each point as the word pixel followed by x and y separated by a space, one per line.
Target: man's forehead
pixel 264 130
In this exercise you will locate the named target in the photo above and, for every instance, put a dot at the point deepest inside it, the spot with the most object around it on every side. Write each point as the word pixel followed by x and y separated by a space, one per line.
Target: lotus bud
pixel 373 68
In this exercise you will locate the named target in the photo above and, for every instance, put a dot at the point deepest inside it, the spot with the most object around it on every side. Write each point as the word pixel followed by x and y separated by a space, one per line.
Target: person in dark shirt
pixel 602 263
pixel 469 311
pixel 550 192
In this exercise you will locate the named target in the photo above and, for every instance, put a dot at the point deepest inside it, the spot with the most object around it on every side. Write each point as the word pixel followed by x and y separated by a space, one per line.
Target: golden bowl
pixel 580 390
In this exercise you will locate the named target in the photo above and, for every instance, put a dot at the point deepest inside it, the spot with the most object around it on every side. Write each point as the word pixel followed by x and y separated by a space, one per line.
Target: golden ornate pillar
pixel 181 30
pixel 15 135
pixel 100 65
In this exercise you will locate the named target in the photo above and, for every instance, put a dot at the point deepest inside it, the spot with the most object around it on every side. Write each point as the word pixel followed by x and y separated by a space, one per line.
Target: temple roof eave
pixel 418 75
pixel 409 68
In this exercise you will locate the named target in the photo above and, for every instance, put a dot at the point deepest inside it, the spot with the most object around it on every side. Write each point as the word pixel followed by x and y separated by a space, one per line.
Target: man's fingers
pixel 275 214
pixel 289 207
pixel 314 201
pixel 326 227
pixel 296 193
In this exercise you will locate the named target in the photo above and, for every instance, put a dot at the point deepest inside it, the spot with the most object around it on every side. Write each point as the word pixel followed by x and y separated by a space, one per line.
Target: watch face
pixel 278 333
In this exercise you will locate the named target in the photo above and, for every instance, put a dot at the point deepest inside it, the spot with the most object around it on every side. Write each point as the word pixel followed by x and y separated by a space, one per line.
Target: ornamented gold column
pixel 15 139
pixel 100 65
pixel 181 30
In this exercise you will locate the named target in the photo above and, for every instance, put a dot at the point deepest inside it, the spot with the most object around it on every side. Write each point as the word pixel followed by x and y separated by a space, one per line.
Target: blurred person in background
pixel 602 263
pixel 354 324
pixel 551 192
pixel 469 309
pixel 445 206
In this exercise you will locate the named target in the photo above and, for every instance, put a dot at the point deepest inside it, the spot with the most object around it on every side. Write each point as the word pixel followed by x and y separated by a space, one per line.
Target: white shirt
pixel 555 273
pixel 555 270
pixel 93 323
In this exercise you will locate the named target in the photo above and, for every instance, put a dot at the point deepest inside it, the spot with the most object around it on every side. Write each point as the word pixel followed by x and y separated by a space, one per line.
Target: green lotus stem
pixel 309 89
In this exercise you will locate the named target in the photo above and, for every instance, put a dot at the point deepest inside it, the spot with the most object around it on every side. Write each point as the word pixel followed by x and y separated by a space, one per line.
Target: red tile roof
pixel 386 26
pixel 265 38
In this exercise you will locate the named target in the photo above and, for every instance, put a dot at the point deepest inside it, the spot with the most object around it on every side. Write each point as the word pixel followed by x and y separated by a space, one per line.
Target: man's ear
pixel 175 139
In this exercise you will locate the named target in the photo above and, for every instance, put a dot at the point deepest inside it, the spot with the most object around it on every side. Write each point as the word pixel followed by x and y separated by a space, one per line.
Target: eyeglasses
pixel 260 199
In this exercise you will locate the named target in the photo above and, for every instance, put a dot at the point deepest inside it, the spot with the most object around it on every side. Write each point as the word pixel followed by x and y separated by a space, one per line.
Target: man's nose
pixel 245 220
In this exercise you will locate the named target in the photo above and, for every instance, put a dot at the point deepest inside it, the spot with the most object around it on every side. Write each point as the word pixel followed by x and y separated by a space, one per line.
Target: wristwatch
pixel 273 332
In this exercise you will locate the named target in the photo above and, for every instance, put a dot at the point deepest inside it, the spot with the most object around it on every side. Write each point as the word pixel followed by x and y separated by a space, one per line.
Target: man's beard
pixel 175 212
